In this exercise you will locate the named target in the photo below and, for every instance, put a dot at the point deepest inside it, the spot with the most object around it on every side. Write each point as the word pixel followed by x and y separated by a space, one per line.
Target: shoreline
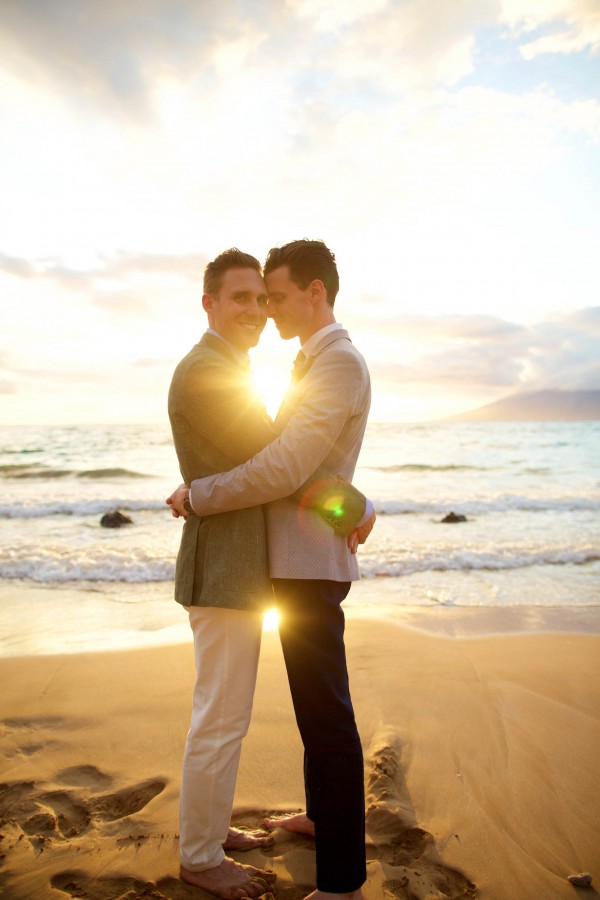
pixel 46 619
pixel 488 748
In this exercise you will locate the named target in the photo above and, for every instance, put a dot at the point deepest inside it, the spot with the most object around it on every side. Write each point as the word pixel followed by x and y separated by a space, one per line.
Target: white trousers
pixel 227 647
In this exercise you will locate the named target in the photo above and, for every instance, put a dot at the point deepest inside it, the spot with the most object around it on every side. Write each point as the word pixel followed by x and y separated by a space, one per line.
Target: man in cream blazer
pixel 221 574
pixel 321 423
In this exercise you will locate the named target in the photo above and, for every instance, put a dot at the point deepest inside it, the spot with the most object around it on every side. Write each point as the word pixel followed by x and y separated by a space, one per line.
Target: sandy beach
pixel 481 767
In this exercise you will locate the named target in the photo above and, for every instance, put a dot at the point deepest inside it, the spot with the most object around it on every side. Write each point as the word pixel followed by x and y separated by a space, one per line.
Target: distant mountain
pixel 539 406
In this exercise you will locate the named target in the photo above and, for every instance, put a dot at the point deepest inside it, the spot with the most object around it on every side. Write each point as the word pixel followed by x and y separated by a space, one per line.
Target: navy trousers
pixel 311 628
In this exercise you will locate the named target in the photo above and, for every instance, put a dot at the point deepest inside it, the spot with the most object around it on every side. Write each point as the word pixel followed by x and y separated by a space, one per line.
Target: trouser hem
pixel 191 867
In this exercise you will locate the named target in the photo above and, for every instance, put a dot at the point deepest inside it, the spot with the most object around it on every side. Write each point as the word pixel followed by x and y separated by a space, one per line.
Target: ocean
pixel 530 493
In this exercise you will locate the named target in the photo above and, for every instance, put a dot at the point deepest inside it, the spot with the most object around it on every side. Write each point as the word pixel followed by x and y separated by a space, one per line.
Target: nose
pixel 257 309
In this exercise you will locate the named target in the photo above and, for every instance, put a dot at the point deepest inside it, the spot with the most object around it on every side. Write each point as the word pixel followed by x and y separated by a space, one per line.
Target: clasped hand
pixel 360 535
pixel 176 501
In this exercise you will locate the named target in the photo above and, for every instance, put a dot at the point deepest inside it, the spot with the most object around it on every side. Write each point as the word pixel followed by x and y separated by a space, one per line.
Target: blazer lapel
pixel 293 392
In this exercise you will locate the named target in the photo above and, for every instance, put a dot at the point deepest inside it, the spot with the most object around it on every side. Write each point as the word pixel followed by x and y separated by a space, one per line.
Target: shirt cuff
pixel 368 513
pixel 191 497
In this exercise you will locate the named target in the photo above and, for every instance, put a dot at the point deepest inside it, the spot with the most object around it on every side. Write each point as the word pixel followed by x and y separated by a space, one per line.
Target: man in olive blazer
pixel 321 422
pixel 221 572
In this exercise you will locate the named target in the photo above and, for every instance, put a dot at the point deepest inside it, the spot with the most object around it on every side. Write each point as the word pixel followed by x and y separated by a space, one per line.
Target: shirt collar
pixel 311 344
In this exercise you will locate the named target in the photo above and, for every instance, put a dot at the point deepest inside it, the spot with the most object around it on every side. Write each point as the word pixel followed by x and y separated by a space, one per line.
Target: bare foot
pixel 325 895
pixel 298 823
pixel 239 839
pixel 230 880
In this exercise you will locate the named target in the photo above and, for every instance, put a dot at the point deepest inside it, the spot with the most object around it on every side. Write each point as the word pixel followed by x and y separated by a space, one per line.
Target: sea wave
pixel 112 473
pixel 503 503
pixel 75 508
pixel 468 560
pixel 420 467
pixel 42 472
pixel 60 564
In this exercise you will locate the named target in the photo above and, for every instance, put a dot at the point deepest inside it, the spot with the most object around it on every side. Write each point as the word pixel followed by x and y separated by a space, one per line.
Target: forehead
pixel 242 281
pixel 279 280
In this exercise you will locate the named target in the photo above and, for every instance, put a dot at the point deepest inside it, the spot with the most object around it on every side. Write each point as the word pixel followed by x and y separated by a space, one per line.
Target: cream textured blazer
pixel 324 416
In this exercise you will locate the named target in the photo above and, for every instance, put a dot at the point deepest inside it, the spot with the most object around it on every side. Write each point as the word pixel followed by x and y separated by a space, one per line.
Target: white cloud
pixel 574 25
pixel 333 14
pixel 468 353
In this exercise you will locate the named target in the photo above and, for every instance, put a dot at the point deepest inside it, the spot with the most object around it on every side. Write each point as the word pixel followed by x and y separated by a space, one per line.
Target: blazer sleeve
pixel 337 393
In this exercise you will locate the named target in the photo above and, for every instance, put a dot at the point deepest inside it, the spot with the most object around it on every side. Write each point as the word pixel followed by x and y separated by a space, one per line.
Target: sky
pixel 448 153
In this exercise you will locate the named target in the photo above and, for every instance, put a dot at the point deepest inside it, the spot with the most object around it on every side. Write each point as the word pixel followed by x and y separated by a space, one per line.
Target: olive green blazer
pixel 218 423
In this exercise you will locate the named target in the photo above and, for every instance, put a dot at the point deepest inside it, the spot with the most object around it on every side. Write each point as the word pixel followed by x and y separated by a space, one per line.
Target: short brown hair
pixel 229 259
pixel 306 261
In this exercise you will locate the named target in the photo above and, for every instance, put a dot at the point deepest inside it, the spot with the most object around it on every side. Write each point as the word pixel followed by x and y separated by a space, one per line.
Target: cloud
pixel 480 352
pixel 572 26
pixel 405 46
pixel 20 268
pixel 125 283
pixel 109 51
pixel 451 327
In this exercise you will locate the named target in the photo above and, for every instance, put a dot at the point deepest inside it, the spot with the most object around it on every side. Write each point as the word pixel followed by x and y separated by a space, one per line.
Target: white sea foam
pixel 60 564
pixel 503 503
pixel 461 560
pixel 95 507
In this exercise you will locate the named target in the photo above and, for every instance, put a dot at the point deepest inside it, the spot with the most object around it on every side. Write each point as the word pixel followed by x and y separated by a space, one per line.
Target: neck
pixel 321 321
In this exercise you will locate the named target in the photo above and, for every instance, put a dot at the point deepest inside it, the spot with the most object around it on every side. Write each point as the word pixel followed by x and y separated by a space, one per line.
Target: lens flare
pixel 271 620
pixel 334 505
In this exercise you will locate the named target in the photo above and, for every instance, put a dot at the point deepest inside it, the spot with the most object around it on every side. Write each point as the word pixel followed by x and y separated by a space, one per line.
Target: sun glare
pixel 271 368
pixel 271 620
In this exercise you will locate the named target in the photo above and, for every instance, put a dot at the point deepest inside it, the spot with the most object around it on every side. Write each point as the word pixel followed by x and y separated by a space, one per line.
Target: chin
pixel 285 334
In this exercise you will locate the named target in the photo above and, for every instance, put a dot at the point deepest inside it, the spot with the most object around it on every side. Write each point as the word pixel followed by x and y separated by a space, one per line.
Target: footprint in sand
pixel 63 814
pixel 126 802
pixel 13 729
pixel 405 852
pixel 71 816
pixel 78 884
pixel 86 777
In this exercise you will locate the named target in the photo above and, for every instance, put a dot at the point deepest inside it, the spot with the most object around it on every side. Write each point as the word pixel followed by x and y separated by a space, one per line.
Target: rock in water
pixel 584 879
pixel 453 517
pixel 115 519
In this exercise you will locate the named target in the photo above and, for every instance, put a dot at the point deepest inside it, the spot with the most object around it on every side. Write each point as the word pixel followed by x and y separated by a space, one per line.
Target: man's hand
pixel 360 535
pixel 176 501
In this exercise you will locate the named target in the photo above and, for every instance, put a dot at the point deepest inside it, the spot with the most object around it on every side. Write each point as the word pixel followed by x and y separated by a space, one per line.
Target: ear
pixel 317 290
pixel 208 303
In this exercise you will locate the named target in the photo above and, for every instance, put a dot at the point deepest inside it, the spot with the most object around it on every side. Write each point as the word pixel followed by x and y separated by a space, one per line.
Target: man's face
pixel 289 305
pixel 239 310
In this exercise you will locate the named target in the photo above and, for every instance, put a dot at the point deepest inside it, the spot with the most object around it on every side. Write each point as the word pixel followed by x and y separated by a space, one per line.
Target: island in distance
pixel 537 406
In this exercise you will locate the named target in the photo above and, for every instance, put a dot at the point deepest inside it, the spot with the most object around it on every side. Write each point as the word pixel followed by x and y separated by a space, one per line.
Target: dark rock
pixel 115 519
pixel 584 880
pixel 452 517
